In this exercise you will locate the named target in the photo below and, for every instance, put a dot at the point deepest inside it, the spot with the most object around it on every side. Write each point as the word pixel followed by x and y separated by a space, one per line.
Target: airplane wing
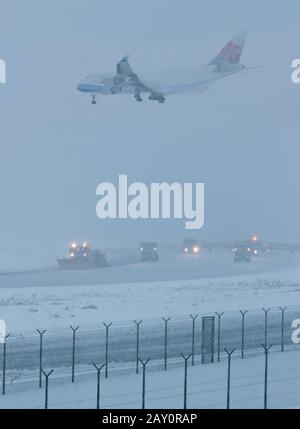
pixel 124 68
pixel 158 90
pixel 126 74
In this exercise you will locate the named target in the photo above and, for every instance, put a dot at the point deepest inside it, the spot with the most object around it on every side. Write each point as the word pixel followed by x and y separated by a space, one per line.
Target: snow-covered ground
pixel 58 306
pixel 206 387
pixel 176 286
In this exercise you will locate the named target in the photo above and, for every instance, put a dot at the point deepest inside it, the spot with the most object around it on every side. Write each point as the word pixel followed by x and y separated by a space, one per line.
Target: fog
pixel 240 137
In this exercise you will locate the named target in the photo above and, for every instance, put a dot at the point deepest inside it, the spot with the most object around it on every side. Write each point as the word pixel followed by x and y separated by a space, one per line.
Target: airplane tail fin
pixel 229 57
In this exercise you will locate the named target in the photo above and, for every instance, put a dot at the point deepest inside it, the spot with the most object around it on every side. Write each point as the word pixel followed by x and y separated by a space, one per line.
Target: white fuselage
pixel 165 82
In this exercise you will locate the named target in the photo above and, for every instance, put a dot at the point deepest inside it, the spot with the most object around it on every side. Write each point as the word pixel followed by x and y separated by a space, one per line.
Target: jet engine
pixel 115 89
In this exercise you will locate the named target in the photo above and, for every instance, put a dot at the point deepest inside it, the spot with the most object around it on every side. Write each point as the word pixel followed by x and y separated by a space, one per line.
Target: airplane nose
pixel 81 87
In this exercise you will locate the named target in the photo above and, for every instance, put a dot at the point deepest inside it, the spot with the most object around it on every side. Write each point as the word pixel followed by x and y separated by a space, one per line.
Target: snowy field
pixel 175 287
pixel 53 307
pixel 206 387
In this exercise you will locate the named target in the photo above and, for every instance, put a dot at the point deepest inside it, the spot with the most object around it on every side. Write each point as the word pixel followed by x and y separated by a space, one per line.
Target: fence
pixel 160 340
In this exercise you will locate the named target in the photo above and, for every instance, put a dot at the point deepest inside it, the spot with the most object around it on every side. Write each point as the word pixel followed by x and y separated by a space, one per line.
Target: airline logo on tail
pixel 231 53
pixel 229 57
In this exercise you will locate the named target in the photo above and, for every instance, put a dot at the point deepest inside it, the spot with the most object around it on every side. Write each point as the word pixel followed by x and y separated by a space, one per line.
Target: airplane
pixel 126 81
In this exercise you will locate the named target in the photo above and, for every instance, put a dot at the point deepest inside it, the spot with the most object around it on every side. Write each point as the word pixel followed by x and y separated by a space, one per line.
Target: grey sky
pixel 240 137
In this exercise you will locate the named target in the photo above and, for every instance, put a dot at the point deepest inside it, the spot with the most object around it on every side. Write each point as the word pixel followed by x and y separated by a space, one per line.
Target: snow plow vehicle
pixel 242 253
pixel 190 246
pixel 255 248
pixel 149 251
pixel 82 257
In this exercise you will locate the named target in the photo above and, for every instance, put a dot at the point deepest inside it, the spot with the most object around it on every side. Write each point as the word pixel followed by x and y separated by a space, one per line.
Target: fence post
pixel 107 326
pixel 282 327
pixel 229 353
pixel 243 313
pixel 74 330
pixel 166 320
pixel 98 369
pixel 193 317
pixel 186 358
pixel 4 363
pixel 219 332
pixel 144 364
pixel 266 349
pixel 41 333
pixel 137 344
pixel 266 311
pixel 47 386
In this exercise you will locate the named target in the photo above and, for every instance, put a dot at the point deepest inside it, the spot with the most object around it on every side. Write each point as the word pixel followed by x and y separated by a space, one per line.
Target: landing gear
pixel 138 97
pixel 94 101
pixel 157 97
pixel 115 89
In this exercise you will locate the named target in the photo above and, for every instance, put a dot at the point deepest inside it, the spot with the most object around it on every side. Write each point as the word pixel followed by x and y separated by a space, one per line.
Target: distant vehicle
pixel 149 251
pixel 126 81
pixel 82 257
pixel 242 253
pixel 255 247
pixel 190 246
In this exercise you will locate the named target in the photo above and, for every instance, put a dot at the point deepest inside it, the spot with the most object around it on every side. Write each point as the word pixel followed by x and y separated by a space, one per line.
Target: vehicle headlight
pixel 196 249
